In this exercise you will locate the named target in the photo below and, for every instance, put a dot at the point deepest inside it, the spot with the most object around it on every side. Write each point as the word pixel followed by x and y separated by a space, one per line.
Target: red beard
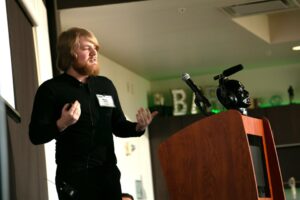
pixel 86 69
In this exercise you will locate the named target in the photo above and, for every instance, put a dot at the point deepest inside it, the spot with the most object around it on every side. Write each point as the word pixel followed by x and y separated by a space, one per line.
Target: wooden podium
pixel 226 156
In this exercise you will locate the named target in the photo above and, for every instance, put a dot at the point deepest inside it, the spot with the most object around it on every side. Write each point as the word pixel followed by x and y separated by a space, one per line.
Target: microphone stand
pixel 202 103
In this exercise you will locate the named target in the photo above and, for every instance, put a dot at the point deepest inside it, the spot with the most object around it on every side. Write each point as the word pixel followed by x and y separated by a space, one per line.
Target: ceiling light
pixel 296 48
pixel 181 10
pixel 261 6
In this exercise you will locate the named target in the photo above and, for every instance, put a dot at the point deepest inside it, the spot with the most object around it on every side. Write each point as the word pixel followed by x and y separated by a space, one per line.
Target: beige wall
pixel 132 90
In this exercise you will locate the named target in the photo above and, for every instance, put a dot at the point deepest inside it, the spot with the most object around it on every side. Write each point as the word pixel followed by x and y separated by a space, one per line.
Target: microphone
pixel 199 96
pixel 232 70
pixel 229 71
pixel 187 79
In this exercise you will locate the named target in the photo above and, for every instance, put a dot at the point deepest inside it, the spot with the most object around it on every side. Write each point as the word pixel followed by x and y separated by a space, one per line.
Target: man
pixel 81 110
pixel 126 196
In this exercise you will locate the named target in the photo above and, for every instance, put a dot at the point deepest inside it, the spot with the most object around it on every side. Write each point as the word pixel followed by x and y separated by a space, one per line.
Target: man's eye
pixel 89 48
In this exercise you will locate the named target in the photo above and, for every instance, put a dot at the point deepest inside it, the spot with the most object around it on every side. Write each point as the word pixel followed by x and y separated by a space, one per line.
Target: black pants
pixel 99 183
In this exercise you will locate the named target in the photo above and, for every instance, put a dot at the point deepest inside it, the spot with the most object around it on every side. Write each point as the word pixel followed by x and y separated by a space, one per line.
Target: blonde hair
pixel 67 42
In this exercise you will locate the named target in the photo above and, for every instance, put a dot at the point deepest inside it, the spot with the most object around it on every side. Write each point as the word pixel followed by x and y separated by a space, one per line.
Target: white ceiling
pixel 160 39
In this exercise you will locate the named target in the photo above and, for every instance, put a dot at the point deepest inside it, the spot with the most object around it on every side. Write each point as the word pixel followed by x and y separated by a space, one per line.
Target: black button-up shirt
pixel 88 142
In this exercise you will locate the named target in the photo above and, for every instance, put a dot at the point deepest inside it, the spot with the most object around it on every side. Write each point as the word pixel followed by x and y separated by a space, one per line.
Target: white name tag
pixel 105 100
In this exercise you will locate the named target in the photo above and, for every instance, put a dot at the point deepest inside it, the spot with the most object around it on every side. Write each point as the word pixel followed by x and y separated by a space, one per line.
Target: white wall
pixel 6 76
pixel 261 83
pixel 132 90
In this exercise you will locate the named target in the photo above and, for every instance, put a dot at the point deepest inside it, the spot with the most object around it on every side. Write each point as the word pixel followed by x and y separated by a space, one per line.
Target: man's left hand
pixel 144 118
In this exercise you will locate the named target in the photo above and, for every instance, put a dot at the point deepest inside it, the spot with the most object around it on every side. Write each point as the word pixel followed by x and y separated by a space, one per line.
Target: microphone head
pixel 185 76
pixel 232 70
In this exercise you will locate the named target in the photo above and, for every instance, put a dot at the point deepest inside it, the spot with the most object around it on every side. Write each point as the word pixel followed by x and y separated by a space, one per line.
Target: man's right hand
pixel 69 115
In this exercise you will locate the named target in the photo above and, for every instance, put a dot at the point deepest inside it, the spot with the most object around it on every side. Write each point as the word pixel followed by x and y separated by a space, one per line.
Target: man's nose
pixel 93 51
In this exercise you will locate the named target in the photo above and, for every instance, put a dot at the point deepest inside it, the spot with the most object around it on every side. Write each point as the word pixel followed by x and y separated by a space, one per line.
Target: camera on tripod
pixel 232 93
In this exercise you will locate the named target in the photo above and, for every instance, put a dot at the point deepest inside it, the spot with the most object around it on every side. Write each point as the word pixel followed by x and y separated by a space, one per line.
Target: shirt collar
pixel 76 82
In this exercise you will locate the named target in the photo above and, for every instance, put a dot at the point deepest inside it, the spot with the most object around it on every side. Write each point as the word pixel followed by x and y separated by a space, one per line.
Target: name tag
pixel 105 100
